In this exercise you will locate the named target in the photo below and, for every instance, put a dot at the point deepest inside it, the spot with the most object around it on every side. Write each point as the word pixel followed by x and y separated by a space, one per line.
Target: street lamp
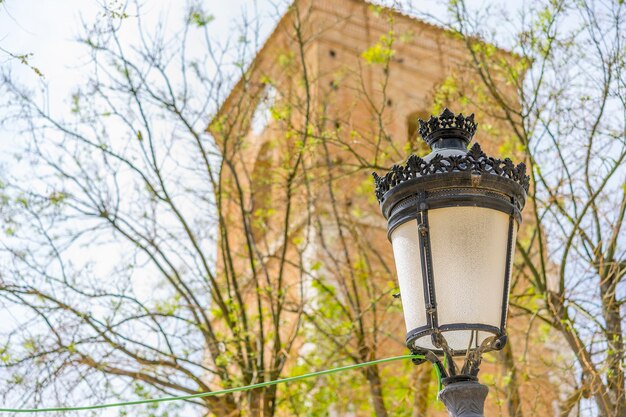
pixel 452 221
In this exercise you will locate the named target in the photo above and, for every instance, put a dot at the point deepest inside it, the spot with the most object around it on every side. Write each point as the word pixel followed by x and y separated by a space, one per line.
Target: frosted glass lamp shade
pixel 468 247
pixel 406 252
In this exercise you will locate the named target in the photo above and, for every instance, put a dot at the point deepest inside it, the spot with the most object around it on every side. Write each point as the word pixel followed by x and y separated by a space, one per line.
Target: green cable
pixel 445 366
pixel 213 393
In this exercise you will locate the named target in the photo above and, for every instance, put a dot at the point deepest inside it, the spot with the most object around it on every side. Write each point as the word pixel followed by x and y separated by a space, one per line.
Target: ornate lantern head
pixel 452 221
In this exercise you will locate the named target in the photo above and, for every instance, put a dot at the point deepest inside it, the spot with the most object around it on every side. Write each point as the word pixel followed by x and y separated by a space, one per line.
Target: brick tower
pixel 335 93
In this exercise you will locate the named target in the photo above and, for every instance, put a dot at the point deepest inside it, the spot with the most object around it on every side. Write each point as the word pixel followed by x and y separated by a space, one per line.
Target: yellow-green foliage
pixel 381 52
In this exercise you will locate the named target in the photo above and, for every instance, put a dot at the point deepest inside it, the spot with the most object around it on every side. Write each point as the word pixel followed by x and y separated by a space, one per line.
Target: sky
pixel 48 30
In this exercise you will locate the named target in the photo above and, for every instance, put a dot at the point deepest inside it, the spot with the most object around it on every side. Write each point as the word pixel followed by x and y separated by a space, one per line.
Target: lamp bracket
pixel 471 364
pixel 500 342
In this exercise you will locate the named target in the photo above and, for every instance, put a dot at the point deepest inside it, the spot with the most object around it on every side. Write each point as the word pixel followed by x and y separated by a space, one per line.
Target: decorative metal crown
pixel 447 125
pixel 475 162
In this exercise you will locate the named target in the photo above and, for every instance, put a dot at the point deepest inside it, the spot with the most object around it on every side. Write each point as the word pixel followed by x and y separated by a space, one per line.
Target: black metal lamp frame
pixel 452 176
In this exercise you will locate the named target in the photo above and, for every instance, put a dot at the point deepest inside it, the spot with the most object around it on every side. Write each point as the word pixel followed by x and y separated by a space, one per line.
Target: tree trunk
pixel 615 338
pixel 513 399
pixel 262 402
pixel 422 383
pixel 222 406
pixel 596 384
pixel 376 390
pixel 255 398
pixel 269 401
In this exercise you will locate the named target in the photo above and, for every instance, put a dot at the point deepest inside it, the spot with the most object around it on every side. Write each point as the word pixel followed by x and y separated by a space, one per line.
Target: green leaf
pixel 200 19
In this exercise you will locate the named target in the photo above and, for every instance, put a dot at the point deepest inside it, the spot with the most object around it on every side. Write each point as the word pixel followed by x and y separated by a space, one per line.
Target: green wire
pixel 445 366
pixel 225 391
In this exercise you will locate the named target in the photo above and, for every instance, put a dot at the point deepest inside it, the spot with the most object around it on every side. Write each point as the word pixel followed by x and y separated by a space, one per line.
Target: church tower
pixel 334 94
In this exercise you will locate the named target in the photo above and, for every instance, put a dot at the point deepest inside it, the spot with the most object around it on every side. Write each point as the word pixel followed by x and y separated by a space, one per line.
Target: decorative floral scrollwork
pixel 475 161
pixel 463 126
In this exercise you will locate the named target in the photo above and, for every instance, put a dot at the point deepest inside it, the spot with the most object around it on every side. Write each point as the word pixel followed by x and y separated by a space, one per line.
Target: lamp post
pixel 452 221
